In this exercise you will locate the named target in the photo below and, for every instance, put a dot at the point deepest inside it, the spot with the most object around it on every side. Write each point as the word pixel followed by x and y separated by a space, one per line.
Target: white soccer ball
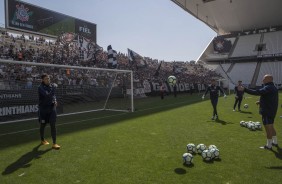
pixel 242 123
pixel 246 106
pixel 191 148
pixel 258 125
pixel 207 155
pixel 252 126
pixel 212 152
pixel 54 85
pixel 212 147
pixel 249 124
pixel 201 148
pixel 187 158
pixel 215 153
pixel 171 80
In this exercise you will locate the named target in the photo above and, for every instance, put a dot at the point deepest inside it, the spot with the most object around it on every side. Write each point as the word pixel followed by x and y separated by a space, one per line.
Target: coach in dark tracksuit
pixel 47 109
pixel 238 97
pixel 268 108
pixel 214 90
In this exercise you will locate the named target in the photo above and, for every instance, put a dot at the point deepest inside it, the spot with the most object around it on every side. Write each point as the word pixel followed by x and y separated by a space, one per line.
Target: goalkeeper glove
pixel 54 85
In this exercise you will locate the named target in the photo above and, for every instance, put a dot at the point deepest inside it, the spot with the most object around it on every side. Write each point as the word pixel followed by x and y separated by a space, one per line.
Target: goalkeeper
pixel 214 89
pixel 47 109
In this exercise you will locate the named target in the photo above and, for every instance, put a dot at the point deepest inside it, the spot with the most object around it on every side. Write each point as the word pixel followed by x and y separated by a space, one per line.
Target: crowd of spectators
pixel 40 50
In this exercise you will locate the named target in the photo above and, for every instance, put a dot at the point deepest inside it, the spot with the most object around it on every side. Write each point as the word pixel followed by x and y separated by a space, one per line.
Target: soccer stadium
pixel 114 117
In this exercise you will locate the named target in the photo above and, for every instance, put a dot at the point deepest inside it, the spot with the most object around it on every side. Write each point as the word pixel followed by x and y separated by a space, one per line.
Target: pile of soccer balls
pixel 208 153
pixel 251 125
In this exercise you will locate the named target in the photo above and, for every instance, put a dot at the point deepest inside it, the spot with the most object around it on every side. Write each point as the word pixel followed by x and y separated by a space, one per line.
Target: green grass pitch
pixel 144 147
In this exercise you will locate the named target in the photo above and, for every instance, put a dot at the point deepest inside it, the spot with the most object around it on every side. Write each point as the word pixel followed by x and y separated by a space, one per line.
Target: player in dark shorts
pixel 238 96
pixel 214 90
pixel 268 108
pixel 47 113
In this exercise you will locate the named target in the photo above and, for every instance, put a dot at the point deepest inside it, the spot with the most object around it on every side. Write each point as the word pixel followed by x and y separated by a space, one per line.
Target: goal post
pixel 80 89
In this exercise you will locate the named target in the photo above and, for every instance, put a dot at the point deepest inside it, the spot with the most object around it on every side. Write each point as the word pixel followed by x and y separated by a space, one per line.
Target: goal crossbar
pixel 114 71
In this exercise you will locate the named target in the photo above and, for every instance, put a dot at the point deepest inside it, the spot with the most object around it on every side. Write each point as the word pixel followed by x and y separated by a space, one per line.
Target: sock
pixel 274 139
pixel 269 143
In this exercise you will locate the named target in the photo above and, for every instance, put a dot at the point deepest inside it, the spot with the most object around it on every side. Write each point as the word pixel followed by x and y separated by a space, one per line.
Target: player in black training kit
pixel 238 96
pixel 268 105
pixel 214 89
pixel 47 109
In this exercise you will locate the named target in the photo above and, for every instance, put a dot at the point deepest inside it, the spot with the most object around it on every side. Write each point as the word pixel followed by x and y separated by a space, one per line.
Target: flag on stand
pixel 158 69
pixel 112 57
pixel 136 59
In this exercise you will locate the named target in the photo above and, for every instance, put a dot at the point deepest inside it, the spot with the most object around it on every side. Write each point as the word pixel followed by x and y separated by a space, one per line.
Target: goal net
pixel 80 89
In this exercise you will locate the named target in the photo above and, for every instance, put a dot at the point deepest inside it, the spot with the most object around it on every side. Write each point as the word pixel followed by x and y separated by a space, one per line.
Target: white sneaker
pixel 234 110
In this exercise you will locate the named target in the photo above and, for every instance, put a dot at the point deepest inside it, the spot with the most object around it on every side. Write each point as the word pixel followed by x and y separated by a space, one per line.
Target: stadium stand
pixel 251 57
pixel 273 42
pixel 243 71
pixel 32 48
pixel 246 46
pixel 271 67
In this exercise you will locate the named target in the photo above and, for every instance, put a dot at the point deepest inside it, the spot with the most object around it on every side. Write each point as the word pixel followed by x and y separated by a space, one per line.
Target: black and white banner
pixel 20 104
pixel 180 87
pixel 112 57
pixel 136 59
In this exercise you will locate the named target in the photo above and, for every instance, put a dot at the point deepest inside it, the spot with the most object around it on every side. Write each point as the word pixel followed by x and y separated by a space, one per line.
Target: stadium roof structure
pixel 227 16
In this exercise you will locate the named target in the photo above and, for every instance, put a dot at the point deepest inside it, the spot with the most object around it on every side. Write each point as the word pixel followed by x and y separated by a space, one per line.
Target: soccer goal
pixel 80 89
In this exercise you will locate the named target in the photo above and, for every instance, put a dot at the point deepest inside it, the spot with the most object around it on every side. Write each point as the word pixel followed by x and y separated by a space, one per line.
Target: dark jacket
pixel 238 93
pixel 46 95
pixel 268 99
pixel 214 90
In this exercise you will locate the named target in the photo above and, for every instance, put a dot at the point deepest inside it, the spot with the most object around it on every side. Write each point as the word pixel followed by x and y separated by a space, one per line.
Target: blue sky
pixel 154 28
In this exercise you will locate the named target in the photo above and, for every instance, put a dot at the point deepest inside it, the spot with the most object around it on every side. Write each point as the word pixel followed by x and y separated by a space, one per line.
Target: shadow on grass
pixel 278 153
pixel 246 112
pixel 24 160
pixel 222 122
pixel 275 167
pixel 219 121
pixel 208 161
pixel 217 159
pixel 180 171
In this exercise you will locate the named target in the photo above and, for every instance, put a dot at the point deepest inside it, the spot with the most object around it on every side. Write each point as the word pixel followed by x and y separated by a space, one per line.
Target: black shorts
pixel 267 120
pixel 47 116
